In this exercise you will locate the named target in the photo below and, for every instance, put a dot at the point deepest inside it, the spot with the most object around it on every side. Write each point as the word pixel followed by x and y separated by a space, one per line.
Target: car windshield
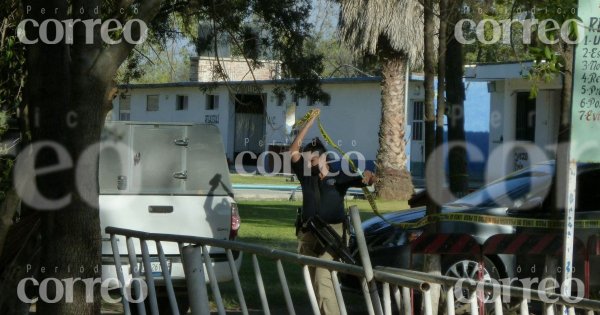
pixel 513 190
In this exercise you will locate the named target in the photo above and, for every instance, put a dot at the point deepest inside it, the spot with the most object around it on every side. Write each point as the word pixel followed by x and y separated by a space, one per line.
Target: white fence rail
pixel 396 285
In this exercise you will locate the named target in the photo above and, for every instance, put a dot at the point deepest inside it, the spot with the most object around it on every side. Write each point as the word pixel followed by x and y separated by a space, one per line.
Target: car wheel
pixel 467 268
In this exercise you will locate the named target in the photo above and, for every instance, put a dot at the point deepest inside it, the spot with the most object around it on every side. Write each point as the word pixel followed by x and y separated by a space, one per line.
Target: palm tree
pixel 392 30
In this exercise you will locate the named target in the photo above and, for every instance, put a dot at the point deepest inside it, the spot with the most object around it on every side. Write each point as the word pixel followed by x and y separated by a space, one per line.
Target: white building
pixel 254 120
pixel 516 119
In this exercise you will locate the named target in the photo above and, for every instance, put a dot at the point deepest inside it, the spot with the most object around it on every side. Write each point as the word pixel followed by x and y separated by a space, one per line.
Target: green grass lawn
pixel 271 223
pixel 260 179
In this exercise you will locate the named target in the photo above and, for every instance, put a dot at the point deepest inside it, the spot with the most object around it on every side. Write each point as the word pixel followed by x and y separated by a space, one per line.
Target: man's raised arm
pixel 295 147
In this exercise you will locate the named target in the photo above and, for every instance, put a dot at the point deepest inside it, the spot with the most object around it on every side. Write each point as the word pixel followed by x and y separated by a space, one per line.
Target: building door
pixel 249 125
pixel 524 128
pixel 417 144
pixel 525 117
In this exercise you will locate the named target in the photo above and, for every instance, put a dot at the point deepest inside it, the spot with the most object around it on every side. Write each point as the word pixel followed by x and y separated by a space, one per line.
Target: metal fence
pixel 380 286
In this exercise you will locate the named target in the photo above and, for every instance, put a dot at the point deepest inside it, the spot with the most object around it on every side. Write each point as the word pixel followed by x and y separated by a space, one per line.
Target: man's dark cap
pixel 315 145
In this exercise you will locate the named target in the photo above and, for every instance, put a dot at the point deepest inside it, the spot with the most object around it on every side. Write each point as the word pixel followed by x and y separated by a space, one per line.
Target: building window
pixel 152 103
pixel 181 102
pixel 280 99
pixel 296 100
pixel 525 117
pixel 212 102
pixel 125 107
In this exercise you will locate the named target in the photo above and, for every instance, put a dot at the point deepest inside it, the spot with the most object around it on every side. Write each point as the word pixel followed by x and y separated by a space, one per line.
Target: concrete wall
pixel 351 118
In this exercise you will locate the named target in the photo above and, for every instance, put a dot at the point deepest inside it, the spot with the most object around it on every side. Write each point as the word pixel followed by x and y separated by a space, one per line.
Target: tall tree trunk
pixel 8 208
pixel 71 235
pixel 68 91
pixel 429 69
pixel 439 163
pixel 432 263
pixel 440 179
pixel 67 105
pixel 394 179
pixel 455 95
pixel 20 261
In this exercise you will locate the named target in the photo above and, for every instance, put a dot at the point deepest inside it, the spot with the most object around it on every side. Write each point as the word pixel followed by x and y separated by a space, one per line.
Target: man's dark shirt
pixel 329 203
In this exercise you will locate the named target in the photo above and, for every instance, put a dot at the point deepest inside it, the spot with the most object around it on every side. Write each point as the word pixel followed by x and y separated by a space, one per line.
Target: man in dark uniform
pixel 323 194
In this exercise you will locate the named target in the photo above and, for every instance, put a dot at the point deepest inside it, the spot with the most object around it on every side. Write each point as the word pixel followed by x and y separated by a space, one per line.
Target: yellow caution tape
pixel 302 121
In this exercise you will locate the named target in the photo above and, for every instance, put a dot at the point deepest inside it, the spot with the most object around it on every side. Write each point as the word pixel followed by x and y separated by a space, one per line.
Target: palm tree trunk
pixel 394 179
pixel 432 263
pixel 429 69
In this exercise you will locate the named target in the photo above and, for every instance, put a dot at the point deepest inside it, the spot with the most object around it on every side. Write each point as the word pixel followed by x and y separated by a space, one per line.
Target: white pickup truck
pixel 165 178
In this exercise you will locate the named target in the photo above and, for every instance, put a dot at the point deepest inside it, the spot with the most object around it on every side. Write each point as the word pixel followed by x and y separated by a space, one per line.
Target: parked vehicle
pixel 165 178
pixel 524 194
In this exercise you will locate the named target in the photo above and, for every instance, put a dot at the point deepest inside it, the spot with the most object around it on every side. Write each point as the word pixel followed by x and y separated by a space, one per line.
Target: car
pixel 525 194
pixel 169 178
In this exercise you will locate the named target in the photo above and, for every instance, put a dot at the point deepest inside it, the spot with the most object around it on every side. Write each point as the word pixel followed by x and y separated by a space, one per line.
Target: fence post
pixel 406 301
pixel 427 302
pixel 310 290
pixel 338 293
pixel 167 278
pixel 213 281
pixel 285 288
pixel 450 300
pixel 362 244
pixel 236 282
pixel 473 302
pixel 193 267
pixel 136 284
pixel 261 286
pixel 120 276
pixel 387 302
pixel 365 259
pixel 524 308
